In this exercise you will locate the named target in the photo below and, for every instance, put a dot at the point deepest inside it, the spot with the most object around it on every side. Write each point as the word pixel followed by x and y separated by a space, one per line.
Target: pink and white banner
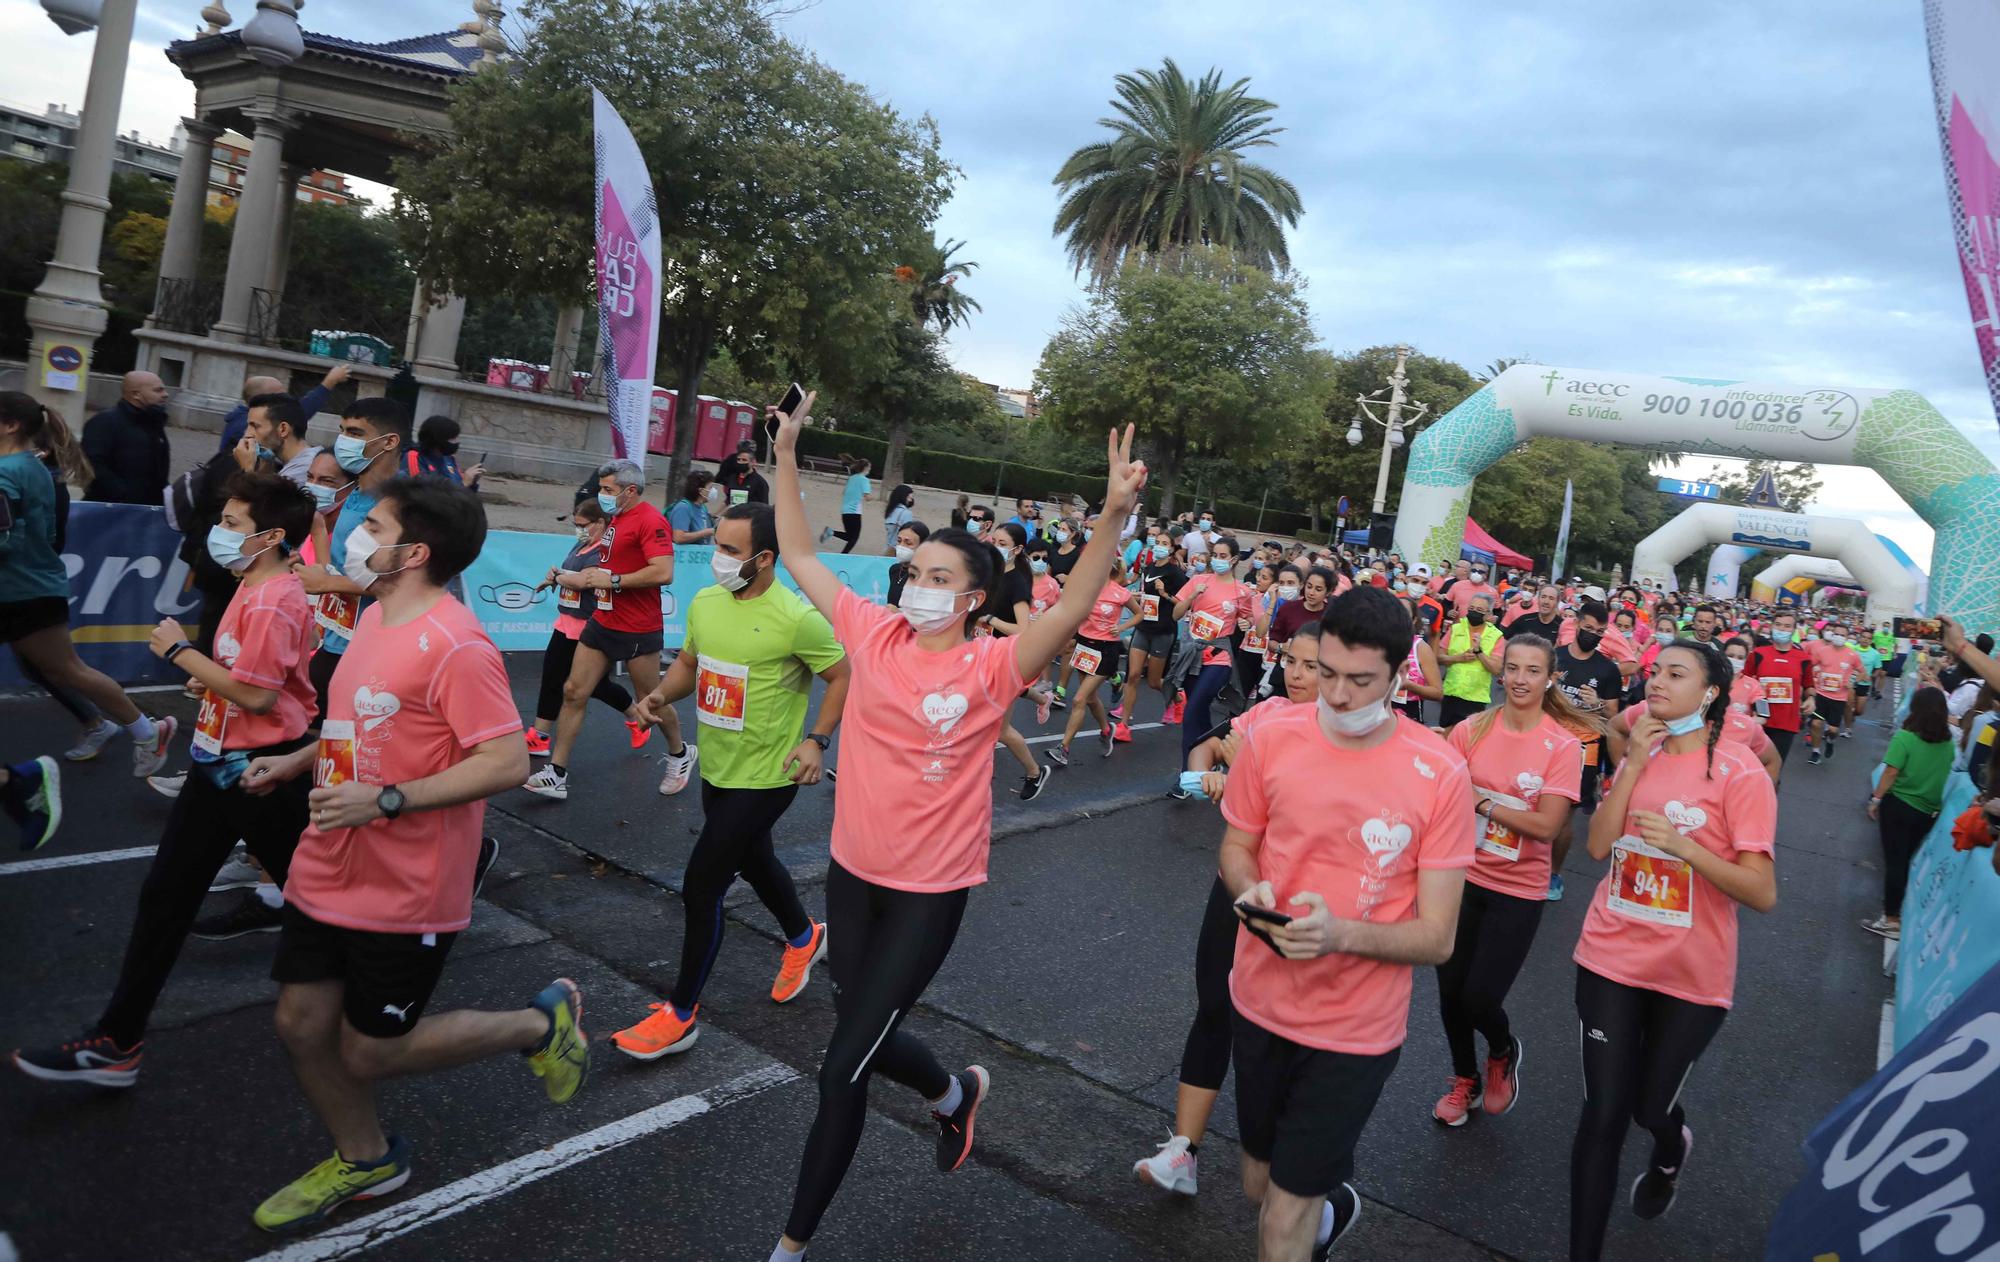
pixel 1964 37
pixel 628 279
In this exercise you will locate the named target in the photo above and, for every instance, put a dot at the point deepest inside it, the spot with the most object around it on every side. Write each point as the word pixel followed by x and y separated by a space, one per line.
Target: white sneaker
pixel 168 786
pixel 550 785
pixel 149 756
pixel 93 742
pixel 236 874
pixel 678 770
pixel 1172 1167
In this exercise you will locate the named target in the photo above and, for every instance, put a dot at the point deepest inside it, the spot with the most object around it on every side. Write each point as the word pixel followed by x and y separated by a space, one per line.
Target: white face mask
pixel 904 553
pixel 583 534
pixel 1287 592
pixel 360 546
pixel 1735 665
pixel 928 609
pixel 1006 553
pixel 1354 723
pixel 728 571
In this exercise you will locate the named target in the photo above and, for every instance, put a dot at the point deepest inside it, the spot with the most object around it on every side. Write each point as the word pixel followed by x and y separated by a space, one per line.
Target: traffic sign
pixel 1341 510
pixel 1690 490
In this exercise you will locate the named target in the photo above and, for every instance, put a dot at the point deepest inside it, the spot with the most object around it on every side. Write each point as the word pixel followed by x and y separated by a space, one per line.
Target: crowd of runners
pixel 354 719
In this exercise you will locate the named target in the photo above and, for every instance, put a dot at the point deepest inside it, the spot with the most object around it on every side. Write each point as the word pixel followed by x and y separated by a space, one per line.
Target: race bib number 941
pixel 719 689
pixel 335 764
pixel 1650 884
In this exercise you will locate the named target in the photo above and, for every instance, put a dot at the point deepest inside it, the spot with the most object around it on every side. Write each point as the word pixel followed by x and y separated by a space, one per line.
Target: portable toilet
pixel 660 426
pixel 743 419
pixel 711 431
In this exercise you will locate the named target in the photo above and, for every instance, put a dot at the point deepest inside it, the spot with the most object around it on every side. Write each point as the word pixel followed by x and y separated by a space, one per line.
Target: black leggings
pixel 884 946
pixel 555 669
pixel 735 840
pixel 202 827
pixel 1205 1058
pixel 1638 1048
pixel 1904 828
pixel 850 530
pixel 1494 934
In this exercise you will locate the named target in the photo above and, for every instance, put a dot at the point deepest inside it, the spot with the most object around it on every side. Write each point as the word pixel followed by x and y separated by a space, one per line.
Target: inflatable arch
pixel 1725 571
pixel 1891 590
pixel 1897 433
pixel 1783 572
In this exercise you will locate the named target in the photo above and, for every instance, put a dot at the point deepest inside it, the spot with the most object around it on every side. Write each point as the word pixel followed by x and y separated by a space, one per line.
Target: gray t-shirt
pixel 296 468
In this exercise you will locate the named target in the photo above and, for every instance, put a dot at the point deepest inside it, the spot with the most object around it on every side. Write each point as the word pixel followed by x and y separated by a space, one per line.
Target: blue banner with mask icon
pixel 500 585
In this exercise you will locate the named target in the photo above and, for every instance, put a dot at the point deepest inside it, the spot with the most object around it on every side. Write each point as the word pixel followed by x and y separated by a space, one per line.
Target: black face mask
pixel 1589 640
pixel 1476 617
pixel 449 449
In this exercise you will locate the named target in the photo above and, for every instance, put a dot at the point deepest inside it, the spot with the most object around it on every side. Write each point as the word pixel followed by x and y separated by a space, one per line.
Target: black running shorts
pixel 389 976
pixel 1301 1109
pixel 1832 712
pixel 619 646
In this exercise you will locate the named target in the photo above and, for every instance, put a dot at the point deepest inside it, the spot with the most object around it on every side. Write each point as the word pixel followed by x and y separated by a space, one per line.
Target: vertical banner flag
pixel 628 279
pixel 1559 567
pixel 1964 37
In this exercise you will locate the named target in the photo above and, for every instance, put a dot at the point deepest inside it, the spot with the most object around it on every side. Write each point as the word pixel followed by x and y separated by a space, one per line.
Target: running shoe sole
pixel 1142 1169
pixel 1513 1072
pixel 1674 1193
pixel 51 795
pixel 147 762
pixel 672 1049
pixel 120 1078
pixel 805 980
pixel 553 792
pixel 972 1115
pixel 1321 1253
pixel 310 1221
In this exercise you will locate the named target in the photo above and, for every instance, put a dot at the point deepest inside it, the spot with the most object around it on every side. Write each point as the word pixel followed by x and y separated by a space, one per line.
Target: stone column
pixel 67 309
pixel 434 324
pixel 250 241
pixel 562 356
pixel 281 227
pixel 180 258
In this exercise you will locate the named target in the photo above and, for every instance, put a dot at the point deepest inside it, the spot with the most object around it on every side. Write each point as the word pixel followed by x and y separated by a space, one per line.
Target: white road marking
pixel 361 1234
pixel 1885 1037
pixel 25 866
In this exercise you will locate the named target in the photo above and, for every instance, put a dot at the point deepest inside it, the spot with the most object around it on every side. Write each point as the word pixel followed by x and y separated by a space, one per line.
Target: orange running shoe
pixel 641 733
pixel 1455 1105
pixel 1122 734
pixel 797 968
pixel 538 744
pixel 661 1034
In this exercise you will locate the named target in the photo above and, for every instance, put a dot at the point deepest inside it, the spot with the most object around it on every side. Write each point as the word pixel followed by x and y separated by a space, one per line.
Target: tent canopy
pixel 1478 541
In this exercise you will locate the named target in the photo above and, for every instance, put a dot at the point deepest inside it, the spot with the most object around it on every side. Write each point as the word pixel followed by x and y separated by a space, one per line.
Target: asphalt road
pixel 1071 981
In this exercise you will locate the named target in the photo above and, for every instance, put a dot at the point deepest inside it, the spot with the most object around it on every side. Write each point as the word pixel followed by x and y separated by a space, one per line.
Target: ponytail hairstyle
pixel 1715 667
pixel 1555 703
pixel 26 411
pixel 982 563
pixel 59 445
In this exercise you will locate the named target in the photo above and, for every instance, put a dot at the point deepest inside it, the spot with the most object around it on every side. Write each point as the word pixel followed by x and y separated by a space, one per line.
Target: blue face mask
pixel 265 453
pixel 351 453
pixel 1256 564
pixel 322 495
pixel 1161 553
pixel 1690 722
pixel 225 548
pixel 1087 533
pixel 1039 566
pixel 609 503
pixel 1220 564
pixel 1781 637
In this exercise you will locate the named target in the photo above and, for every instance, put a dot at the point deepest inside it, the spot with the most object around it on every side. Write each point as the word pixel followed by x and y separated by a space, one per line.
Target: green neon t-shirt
pixel 754 665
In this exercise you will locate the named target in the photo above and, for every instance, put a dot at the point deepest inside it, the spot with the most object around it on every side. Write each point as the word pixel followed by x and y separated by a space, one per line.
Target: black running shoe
pixel 489 854
pixel 1346 1204
pixel 955 1128
pixel 90 1057
pixel 247 914
pixel 1031 786
pixel 1653 1192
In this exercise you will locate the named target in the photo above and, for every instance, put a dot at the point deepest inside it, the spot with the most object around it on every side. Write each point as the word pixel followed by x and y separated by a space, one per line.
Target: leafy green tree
pixel 347 271
pixel 785 191
pixel 1173 175
pixel 935 297
pixel 1798 484
pixel 1206 356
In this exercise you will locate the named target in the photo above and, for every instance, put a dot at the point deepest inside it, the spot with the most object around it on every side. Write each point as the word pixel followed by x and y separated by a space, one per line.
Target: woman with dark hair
pixel 1689 829
pixel 851 496
pixel 573 610
pixel 908 538
pixel 1907 801
pixel 1008 615
pixel 689 518
pixel 913 809
pixel 436 454
pixel 34 589
pixel 898 512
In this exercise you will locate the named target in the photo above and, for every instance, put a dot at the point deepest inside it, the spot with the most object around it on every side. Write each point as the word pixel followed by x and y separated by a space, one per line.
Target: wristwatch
pixel 390 802
pixel 179 647
pixel 824 742
pixel 615 580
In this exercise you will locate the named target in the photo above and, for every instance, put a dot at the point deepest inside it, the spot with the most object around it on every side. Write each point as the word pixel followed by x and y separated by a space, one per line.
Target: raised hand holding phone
pixel 789 421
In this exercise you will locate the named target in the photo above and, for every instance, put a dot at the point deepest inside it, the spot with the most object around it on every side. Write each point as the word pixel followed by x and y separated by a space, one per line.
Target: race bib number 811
pixel 1650 884
pixel 719 689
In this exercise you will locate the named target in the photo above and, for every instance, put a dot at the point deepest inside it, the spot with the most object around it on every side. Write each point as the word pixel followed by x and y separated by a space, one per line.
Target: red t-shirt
pixel 405 702
pixel 1656 923
pixel 634 538
pixel 913 809
pixel 1516 769
pixel 1354 827
pixel 1787 676
pixel 265 639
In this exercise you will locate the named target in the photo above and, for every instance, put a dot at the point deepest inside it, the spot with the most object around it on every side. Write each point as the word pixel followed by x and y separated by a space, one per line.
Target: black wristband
pixel 179 647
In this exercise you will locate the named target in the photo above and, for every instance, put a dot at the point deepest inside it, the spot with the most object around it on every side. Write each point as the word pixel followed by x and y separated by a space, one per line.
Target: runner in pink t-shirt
pixel 1835 668
pixel 1689 828
pixel 1350 829
pixel 913 808
pixel 1527 773
pixel 1205 1056
pixel 1212 605
pixel 1096 656
pixel 420 730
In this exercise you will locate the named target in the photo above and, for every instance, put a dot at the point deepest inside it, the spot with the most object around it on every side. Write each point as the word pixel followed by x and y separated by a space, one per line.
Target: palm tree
pixel 1499 366
pixel 1173 174
pixel 935 298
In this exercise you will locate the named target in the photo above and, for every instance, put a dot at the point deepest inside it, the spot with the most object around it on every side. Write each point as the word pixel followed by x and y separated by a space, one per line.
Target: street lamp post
pixel 1392 425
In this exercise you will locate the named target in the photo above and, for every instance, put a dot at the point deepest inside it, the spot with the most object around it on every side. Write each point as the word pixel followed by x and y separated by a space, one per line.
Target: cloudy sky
pixel 1714 189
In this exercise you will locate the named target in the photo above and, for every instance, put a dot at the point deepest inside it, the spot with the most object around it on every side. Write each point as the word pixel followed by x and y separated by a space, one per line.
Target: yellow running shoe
pixel 306 1201
pixel 562 1058
pixel 661 1034
pixel 797 967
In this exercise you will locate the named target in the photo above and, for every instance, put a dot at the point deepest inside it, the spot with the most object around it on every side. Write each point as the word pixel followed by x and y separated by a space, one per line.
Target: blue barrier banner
pixel 124 577
pixel 499 586
pixel 1949 915
pixel 1909 1165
